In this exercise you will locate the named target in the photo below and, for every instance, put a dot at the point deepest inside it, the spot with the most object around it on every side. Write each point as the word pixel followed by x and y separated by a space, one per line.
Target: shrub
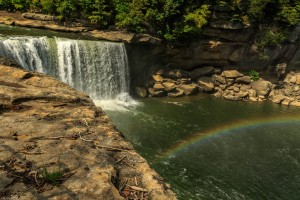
pixel 254 75
pixel 271 39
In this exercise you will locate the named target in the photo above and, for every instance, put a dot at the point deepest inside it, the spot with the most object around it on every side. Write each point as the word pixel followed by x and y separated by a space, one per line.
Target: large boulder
pixel 204 71
pixel 244 80
pixel 158 87
pixel 189 89
pixel 176 74
pixel 231 74
pixel 290 78
pixel 176 93
pixel 168 86
pixel 262 87
pixel 155 93
pixel 206 84
pixel 158 78
pixel 218 80
pixel 236 96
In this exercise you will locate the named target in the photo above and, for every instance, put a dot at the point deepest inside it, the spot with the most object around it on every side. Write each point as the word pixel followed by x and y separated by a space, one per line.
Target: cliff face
pixel 224 44
pixel 49 129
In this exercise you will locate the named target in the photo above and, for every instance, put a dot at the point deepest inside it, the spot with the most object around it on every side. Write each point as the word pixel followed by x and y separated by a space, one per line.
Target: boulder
pixel 204 71
pixel 229 81
pixel 158 86
pixel 231 74
pixel 141 92
pixel 244 79
pixel 252 93
pixel 290 79
pixel 168 86
pixel 277 98
pixel 184 81
pixel 158 78
pixel 177 93
pixel 218 80
pixel 242 95
pixel 206 84
pixel 286 102
pixel 155 93
pixel 253 99
pixel 231 97
pixel 176 74
pixel 236 89
pixel 262 87
pixel 245 88
pixel 219 93
pixel 295 103
pixel 189 89
pixel 223 87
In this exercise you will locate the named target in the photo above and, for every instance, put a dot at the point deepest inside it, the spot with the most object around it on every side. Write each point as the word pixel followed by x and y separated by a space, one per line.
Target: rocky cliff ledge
pixel 56 144
pixel 33 20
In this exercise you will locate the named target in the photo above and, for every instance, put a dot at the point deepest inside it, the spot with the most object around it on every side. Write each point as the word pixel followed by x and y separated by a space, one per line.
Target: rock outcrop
pixel 50 130
pixel 228 84
pixel 288 93
pixel 41 21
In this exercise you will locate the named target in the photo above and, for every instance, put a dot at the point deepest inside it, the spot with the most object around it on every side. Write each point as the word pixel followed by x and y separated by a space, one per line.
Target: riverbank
pixel 227 84
pixel 56 143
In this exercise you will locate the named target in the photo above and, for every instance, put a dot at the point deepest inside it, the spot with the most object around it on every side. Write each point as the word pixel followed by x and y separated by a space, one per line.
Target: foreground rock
pixel 46 126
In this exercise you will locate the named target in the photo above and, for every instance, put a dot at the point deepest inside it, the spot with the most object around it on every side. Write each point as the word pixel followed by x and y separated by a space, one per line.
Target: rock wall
pixel 224 44
pixel 47 127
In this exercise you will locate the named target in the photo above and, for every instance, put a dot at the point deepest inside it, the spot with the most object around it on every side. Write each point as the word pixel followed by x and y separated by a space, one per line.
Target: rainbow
pixel 227 129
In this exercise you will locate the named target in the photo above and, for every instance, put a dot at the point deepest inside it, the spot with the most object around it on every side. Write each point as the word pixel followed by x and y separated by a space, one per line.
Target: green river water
pixel 209 148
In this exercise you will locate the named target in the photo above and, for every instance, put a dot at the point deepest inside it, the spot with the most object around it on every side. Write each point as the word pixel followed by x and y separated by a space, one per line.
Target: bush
pixel 254 75
pixel 271 39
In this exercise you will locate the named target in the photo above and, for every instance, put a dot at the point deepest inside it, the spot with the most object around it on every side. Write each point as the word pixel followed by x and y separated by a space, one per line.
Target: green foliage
pixel 271 39
pixel 290 14
pixel 196 19
pixel 168 19
pixel 52 178
pixel 254 75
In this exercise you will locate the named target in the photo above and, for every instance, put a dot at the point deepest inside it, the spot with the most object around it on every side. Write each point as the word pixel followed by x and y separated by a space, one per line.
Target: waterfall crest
pixel 95 67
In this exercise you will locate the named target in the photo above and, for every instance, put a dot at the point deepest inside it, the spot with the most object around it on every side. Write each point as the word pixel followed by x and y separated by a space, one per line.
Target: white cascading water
pixel 95 67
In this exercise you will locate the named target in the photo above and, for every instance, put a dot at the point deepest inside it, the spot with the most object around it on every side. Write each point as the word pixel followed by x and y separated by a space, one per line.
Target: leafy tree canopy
pixel 168 19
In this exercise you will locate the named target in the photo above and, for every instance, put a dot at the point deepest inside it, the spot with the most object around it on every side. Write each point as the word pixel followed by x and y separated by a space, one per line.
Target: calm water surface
pixel 209 148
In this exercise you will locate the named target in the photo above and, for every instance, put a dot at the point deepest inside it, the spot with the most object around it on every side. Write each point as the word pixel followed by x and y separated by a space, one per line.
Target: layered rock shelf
pixel 56 144
pixel 227 84
pixel 33 20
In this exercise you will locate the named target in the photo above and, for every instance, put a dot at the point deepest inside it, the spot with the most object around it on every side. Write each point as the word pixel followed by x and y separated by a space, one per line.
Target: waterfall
pixel 95 67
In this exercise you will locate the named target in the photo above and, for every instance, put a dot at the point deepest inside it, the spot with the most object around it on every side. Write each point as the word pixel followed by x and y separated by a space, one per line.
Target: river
pixel 209 148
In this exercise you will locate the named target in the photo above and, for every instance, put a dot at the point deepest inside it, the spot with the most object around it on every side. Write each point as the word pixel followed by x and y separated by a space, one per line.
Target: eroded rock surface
pixel 48 126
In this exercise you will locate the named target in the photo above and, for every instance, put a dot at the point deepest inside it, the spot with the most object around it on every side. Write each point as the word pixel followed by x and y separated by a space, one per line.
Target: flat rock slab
pixel 48 126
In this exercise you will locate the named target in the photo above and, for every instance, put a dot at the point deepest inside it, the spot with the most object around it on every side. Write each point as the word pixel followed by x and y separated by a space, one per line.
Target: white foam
pixel 123 102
